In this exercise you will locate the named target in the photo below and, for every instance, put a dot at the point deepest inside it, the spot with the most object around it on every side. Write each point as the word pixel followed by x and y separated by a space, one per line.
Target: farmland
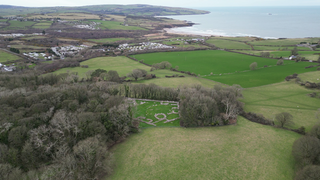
pixel 115 25
pixel 177 82
pixel 120 64
pixel 227 44
pixel 110 40
pixel 228 68
pixel 243 151
pixel 19 25
pixel 5 56
pixel 285 42
pixel 284 97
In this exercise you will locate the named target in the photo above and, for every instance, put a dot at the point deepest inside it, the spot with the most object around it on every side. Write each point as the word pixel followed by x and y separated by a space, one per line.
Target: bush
pixel 253 65
pixel 280 62
pixel 284 119
pixel 306 150
pixel 311 172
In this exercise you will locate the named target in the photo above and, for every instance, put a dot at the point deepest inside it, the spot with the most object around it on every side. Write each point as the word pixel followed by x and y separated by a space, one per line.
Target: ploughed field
pixel 227 67
pixel 243 151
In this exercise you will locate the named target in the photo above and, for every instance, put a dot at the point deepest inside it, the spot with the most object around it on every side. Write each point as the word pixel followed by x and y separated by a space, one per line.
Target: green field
pixel 120 64
pixel 243 151
pixel 110 40
pixel 310 76
pixel 147 110
pixel 19 25
pixel 275 48
pixel 224 65
pixel 115 25
pixel 5 56
pixel 310 55
pixel 285 42
pixel 226 44
pixel 178 81
pixel 42 25
pixel 284 97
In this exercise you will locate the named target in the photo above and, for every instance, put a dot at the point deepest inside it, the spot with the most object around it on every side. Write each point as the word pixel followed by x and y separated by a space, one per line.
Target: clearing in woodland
pixel 157 113
pixel 243 151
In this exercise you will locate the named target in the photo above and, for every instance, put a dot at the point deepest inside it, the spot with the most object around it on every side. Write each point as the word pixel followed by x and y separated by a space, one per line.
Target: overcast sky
pixel 175 3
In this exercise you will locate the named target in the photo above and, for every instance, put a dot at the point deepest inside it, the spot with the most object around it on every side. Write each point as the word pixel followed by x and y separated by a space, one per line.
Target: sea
pixel 264 22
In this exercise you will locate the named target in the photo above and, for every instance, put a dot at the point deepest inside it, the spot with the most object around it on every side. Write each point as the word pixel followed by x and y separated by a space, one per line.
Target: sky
pixel 173 3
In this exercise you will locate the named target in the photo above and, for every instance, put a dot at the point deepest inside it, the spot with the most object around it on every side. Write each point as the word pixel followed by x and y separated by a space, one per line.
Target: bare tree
pixel 284 119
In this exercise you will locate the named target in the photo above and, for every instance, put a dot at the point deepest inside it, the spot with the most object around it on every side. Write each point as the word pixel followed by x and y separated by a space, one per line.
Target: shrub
pixel 253 65
pixel 284 119
pixel 280 62
pixel 305 150
pixel 311 172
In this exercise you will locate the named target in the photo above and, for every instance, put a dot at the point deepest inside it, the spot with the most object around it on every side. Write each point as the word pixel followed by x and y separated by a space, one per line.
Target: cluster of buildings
pixel 67 50
pixel 144 46
pixel 12 35
pixel 91 26
pixel 38 56
pixel 7 68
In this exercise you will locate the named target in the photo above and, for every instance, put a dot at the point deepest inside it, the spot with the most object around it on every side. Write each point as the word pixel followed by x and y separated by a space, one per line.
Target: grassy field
pixel 4 57
pixel 42 25
pixel 275 48
pixel 310 76
pixel 19 25
pixel 226 44
pixel 285 42
pixel 242 39
pixel 110 40
pixel 284 97
pixel 115 25
pixel 228 68
pixel 243 151
pixel 120 64
pixel 176 82
pixel 149 109
pixel 310 55
pixel 69 16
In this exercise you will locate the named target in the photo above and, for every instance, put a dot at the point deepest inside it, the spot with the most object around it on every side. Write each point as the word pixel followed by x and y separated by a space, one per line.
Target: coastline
pixel 172 31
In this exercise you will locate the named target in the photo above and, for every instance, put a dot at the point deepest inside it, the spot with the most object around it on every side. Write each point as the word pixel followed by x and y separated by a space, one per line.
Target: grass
pixel 284 97
pixel 176 82
pixel 310 76
pixel 285 42
pixel 274 48
pixel 69 16
pixel 226 44
pixel 148 109
pixel 115 25
pixel 224 65
pixel 243 151
pixel 44 25
pixel 120 64
pixel 310 55
pixel 34 37
pixel 19 25
pixel 4 57
pixel 110 40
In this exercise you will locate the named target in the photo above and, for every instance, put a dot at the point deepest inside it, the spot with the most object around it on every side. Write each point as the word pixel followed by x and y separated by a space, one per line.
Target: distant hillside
pixel 135 10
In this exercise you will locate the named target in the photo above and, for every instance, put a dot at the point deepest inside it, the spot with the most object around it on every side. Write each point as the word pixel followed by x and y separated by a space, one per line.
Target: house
pixel 292 57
